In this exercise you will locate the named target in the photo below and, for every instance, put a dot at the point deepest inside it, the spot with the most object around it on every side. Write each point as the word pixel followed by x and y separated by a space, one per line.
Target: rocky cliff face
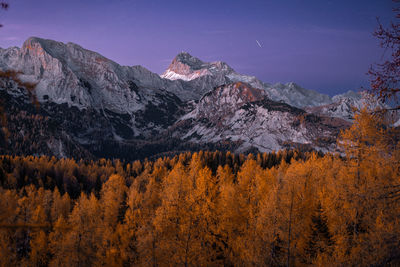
pixel 240 113
pixel 69 74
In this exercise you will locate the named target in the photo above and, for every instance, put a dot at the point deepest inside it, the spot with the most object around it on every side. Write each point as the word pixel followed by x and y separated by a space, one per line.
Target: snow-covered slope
pixel 240 113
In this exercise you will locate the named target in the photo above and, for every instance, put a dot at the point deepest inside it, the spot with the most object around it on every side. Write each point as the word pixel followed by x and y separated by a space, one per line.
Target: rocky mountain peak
pixel 235 93
pixel 32 42
pixel 187 67
pixel 187 59
pixel 245 92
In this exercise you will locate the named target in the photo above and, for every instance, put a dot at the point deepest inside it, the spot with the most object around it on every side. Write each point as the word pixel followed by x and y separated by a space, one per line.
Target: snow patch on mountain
pixel 171 75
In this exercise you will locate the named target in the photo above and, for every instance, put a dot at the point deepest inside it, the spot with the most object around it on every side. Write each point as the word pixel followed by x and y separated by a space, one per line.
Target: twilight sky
pixel 324 45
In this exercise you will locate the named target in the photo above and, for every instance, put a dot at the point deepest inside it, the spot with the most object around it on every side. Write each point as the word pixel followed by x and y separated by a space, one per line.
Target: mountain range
pixel 63 100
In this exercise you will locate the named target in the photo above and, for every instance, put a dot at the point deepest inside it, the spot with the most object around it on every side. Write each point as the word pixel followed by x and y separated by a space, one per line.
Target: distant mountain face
pixel 344 105
pixel 240 113
pixel 90 105
pixel 207 75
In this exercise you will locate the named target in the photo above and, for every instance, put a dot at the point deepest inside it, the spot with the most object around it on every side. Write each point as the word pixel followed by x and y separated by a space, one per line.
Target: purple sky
pixel 324 45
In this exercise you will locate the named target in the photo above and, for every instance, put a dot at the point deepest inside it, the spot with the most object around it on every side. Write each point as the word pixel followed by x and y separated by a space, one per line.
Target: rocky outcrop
pixel 240 113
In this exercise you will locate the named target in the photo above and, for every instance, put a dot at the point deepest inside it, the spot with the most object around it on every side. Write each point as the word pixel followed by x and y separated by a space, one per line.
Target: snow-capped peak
pixel 187 67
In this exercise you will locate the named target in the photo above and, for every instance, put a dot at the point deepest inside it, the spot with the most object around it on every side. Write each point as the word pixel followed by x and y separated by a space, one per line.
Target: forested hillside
pixel 208 208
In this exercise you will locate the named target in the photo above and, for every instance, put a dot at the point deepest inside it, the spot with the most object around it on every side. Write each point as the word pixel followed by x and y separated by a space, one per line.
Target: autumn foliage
pixel 208 208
